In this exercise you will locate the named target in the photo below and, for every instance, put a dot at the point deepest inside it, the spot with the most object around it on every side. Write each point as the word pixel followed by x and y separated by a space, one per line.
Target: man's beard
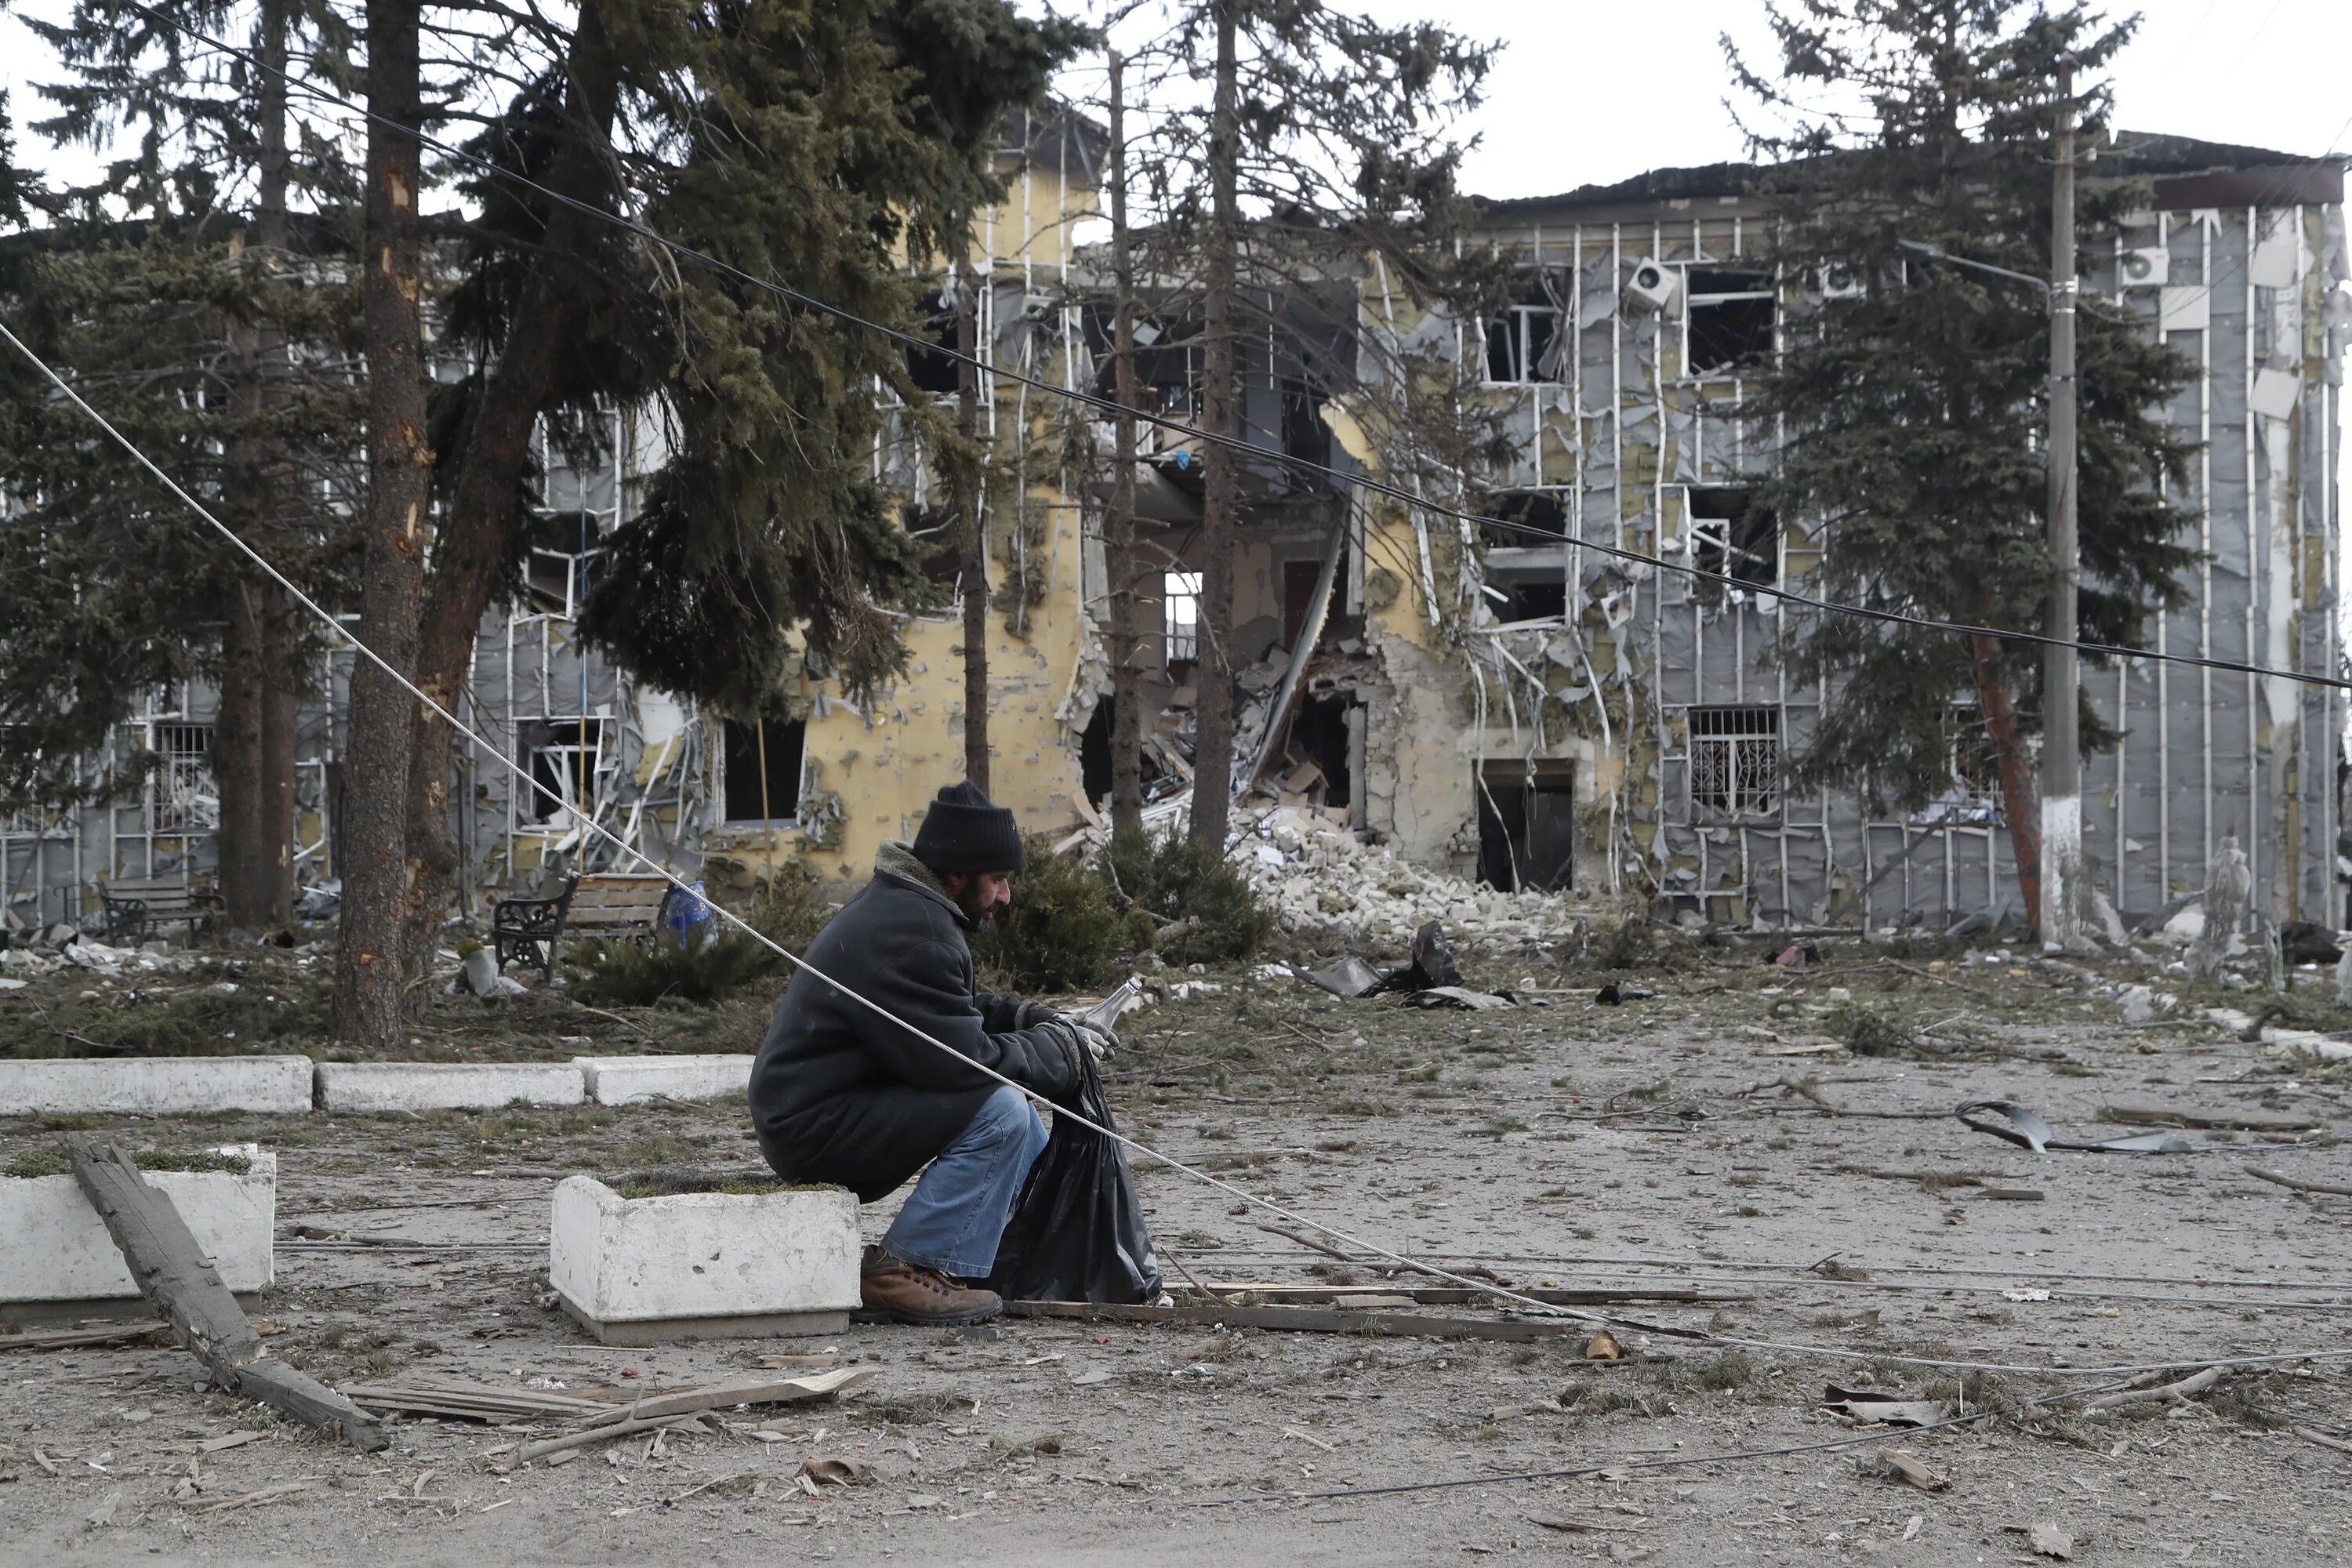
pixel 968 902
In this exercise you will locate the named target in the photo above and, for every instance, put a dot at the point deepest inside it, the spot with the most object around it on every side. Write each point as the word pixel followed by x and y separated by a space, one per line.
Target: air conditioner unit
pixel 1838 280
pixel 1651 286
pixel 2149 269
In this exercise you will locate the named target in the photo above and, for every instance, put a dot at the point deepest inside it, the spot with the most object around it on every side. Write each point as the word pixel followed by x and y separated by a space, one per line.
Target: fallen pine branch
pixel 2188 1388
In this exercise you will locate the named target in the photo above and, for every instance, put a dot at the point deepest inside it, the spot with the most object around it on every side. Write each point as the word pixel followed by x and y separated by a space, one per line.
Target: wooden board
pixel 1314 1321
pixel 1292 1294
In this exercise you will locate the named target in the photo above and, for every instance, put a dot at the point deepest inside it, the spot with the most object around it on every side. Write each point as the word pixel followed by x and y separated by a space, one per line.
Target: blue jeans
pixel 955 1216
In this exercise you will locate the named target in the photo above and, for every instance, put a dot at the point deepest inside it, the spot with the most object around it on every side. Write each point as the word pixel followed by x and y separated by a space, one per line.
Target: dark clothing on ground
pixel 842 1094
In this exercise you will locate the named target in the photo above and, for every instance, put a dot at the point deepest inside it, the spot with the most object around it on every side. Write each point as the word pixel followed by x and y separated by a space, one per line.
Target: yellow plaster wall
pixel 870 774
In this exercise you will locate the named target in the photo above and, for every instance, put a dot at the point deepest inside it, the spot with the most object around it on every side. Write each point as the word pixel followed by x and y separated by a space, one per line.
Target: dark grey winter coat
pixel 840 1094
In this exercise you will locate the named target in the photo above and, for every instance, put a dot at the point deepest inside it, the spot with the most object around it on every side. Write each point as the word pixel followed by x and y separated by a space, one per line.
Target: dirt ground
pixel 1782 1136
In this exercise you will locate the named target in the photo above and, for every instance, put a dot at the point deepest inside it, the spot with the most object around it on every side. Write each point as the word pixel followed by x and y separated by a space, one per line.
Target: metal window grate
pixel 181 796
pixel 1735 760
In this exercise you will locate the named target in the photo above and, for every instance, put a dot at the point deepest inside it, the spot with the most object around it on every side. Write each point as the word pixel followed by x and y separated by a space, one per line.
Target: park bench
pixel 603 904
pixel 135 906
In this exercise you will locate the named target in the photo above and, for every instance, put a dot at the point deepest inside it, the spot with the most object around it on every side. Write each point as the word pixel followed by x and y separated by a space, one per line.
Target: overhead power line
pixel 1110 408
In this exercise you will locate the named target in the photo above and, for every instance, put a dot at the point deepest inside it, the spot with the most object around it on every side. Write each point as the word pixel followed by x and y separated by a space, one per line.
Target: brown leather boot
pixel 894 1291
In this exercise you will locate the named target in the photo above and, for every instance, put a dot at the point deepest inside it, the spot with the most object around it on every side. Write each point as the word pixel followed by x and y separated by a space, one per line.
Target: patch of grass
pixel 1748 1211
pixel 35 1163
pixel 653 1186
pixel 205 1022
pixel 1726 1371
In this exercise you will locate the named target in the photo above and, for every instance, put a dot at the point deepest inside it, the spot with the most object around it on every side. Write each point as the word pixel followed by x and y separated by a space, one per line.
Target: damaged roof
pixel 2186 173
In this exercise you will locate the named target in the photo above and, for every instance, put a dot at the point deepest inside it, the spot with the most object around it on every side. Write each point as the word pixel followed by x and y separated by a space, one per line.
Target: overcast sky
pixel 1592 90
pixel 1589 91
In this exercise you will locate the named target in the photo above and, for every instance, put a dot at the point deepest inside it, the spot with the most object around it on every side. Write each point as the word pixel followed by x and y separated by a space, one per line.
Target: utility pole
pixel 2063 892
pixel 1118 529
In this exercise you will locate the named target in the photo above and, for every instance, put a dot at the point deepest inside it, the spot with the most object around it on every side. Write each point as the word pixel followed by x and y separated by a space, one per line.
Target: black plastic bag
pixel 1076 1232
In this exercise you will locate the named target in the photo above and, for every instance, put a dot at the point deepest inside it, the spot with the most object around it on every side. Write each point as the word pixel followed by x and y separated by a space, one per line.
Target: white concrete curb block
pixel 153 1085
pixel 629 1081
pixel 642 1270
pixel 54 1248
pixel 446 1086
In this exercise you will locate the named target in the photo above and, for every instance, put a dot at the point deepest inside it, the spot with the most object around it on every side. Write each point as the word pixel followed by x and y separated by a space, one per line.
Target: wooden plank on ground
pixel 1313 1320
pixel 186 1291
pixel 725 1395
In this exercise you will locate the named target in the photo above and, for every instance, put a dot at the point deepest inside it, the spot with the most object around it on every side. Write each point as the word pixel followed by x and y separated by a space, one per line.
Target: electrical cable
pixel 1236 444
pixel 1527 1304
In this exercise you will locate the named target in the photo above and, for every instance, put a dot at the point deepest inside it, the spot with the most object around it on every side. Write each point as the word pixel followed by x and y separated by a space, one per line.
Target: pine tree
pixel 1914 411
pixel 1324 151
pixel 171 286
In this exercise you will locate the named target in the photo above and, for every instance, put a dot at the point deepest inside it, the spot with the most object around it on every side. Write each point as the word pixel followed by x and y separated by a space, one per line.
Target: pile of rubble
pixel 62 947
pixel 1325 883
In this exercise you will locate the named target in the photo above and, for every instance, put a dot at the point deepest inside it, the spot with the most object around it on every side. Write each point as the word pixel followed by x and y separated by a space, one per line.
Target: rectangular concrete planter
pixel 630 1081
pixel 446 1086
pixel 638 1271
pixel 54 1248
pixel 155 1086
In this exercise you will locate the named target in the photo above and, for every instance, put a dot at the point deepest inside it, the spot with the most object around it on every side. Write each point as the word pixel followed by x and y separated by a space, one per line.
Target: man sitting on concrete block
pixel 847 1094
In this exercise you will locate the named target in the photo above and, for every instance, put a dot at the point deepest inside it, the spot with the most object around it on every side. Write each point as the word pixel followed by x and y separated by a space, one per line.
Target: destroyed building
pixel 1644 304
pixel 1482 705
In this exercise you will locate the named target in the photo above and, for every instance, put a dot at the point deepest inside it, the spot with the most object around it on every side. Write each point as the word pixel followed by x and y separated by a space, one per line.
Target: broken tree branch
pixel 2165 1394
pixel 2300 1184
pixel 185 1289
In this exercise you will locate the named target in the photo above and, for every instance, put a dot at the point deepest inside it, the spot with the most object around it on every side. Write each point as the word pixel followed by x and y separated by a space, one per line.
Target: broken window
pixel 565 756
pixel 1732 537
pixel 935 368
pixel 1523 519
pixel 1303 434
pixel 1730 320
pixel 1526 838
pixel 180 794
pixel 759 767
pixel 1519 339
pixel 1735 760
pixel 1529 599
pixel 1181 592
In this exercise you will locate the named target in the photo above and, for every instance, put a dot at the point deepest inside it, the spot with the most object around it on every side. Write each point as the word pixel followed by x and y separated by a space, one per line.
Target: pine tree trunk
pixel 481 523
pixel 974 570
pixel 1127 631
pixel 377 890
pixel 284 649
pixel 2017 798
pixel 1212 761
pixel 237 764
pixel 253 747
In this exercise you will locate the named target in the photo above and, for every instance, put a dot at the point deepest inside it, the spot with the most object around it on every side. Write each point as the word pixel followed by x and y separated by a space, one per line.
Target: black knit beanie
pixel 963 833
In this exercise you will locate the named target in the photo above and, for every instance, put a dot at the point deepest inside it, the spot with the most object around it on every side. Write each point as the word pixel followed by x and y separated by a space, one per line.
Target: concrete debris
pixel 2143 1006
pixel 1324 881
pixel 1460 996
pixel 480 974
